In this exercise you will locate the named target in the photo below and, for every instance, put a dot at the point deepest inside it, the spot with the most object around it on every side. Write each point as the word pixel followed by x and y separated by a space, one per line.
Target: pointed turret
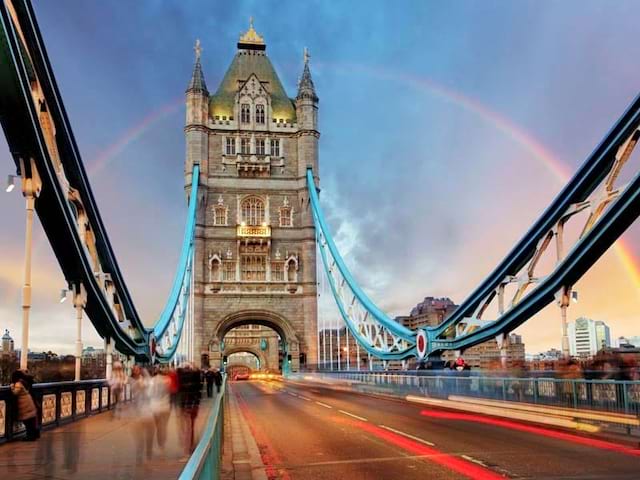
pixel 197 83
pixel 306 89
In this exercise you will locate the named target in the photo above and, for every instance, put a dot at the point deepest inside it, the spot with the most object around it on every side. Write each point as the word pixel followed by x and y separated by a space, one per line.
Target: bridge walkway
pixel 99 447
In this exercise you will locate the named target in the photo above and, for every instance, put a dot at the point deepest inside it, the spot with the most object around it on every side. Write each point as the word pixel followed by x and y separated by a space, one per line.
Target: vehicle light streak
pixel 586 441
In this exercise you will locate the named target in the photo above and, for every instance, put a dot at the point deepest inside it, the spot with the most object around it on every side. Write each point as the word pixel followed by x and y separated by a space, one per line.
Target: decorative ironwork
pixel 254 231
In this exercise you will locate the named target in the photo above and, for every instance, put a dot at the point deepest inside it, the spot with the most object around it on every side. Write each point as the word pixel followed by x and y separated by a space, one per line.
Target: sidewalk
pixel 97 447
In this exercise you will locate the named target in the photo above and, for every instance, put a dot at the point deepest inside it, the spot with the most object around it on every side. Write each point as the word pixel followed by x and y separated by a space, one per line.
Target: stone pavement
pixel 98 447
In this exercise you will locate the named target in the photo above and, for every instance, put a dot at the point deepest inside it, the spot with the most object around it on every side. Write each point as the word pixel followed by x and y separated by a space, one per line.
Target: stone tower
pixel 255 255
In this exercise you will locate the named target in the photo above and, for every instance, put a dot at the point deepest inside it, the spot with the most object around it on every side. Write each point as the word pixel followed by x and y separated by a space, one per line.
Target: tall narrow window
pixel 229 271
pixel 230 146
pixel 245 113
pixel 260 146
pixel 275 147
pixel 253 268
pixel 220 215
pixel 277 271
pixel 285 216
pixel 260 114
pixel 245 146
pixel 252 211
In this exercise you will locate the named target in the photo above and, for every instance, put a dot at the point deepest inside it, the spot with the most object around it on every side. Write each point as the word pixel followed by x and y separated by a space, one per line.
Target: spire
pixel 251 40
pixel 197 82
pixel 306 89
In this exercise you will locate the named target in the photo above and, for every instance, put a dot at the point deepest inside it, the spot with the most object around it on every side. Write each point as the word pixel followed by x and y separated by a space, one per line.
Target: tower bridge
pixel 247 281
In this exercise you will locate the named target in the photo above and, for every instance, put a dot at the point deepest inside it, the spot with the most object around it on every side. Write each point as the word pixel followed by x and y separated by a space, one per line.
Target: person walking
pixel 190 388
pixel 209 377
pixel 217 378
pixel 161 405
pixel 143 425
pixel 117 383
pixel 27 411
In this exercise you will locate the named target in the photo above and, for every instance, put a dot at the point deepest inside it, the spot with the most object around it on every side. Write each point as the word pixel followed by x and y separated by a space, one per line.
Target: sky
pixel 446 129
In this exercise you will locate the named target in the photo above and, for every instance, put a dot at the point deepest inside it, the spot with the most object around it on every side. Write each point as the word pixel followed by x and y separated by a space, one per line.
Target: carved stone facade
pixel 255 255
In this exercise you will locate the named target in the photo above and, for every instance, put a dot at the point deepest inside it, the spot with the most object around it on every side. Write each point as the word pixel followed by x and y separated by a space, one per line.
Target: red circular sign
pixel 421 344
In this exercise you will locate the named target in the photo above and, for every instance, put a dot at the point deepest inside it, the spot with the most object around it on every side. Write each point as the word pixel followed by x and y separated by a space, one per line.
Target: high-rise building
pixel 587 336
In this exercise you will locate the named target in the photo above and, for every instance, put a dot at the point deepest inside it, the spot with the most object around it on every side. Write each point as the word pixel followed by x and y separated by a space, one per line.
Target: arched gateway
pixel 255 254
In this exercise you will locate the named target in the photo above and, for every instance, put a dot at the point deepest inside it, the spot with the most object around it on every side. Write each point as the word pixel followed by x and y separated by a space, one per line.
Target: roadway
pixel 312 433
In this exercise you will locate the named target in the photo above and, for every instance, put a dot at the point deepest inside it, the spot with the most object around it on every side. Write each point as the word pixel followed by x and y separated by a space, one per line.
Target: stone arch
pixel 256 317
pixel 247 349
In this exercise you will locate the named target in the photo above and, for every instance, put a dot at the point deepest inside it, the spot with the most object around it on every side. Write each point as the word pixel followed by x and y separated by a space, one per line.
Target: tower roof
pixel 251 59
pixel 306 89
pixel 6 335
pixel 197 82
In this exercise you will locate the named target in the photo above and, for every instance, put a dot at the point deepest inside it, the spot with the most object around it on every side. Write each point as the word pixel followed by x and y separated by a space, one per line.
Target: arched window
pixel 285 217
pixel 245 113
pixel 260 114
pixel 252 211
pixel 291 270
pixel 220 215
pixel 215 268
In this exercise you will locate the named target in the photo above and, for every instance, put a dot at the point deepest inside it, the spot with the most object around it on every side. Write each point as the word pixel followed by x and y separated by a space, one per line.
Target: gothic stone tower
pixel 255 256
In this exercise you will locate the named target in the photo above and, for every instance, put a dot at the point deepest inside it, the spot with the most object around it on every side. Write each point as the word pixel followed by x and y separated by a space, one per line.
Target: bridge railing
pixel 206 460
pixel 57 403
pixel 615 396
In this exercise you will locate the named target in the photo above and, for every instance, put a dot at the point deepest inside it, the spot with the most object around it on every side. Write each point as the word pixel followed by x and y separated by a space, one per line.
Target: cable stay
pixel 373 329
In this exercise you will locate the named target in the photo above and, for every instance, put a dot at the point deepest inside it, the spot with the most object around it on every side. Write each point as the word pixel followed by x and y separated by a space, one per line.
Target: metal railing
pixel 206 460
pixel 57 403
pixel 615 396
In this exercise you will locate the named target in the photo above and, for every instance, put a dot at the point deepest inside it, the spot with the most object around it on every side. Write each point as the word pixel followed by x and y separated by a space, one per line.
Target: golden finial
pixel 251 36
pixel 198 49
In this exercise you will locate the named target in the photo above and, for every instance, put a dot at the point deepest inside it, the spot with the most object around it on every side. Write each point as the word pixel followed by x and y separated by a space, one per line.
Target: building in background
pixel 432 311
pixel 7 344
pixel 633 341
pixel 587 336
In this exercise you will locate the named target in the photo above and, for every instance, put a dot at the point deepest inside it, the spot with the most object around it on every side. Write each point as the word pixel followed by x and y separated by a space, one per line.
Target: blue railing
pixel 613 396
pixel 205 462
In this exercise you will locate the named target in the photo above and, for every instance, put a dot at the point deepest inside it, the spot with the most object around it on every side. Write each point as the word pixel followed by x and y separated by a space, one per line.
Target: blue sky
pixel 436 192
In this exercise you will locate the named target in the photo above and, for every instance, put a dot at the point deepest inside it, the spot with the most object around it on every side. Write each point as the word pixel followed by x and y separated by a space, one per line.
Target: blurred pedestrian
pixel 117 383
pixel 27 412
pixel 190 388
pixel 209 378
pixel 161 405
pixel 143 424
pixel 217 378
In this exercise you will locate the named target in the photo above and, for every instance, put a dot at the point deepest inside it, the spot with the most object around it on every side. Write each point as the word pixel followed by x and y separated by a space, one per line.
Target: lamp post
pixel 79 302
pixel 31 186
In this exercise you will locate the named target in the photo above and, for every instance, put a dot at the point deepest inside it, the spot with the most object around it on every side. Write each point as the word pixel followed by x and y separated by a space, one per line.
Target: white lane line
pixel 354 416
pixel 292 394
pixel 412 437
pixel 304 398
pixel 324 405
pixel 474 460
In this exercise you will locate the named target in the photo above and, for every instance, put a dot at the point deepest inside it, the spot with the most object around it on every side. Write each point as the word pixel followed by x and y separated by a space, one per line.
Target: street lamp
pixel 63 295
pixel 11 183
pixel 574 296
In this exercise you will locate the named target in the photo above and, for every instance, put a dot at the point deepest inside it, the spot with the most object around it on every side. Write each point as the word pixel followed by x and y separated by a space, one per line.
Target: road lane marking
pixel 354 416
pixel 292 394
pixel 324 405
pixel 474 460
pixel 304 398
pixel 412 437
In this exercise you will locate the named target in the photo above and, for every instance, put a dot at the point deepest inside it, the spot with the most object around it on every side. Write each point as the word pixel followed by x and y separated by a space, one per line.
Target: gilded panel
pixel 66 407
pixel 81 398
pixel 3 417
pixel 48 408
pixel 95 399
pixel 105 396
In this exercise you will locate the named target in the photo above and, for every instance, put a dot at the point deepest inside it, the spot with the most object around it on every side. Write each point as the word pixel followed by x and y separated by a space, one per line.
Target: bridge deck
pixel 98 447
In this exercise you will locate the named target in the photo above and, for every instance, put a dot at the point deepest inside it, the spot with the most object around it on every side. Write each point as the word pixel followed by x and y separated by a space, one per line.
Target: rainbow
pixel 132 134
pixel 538 150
